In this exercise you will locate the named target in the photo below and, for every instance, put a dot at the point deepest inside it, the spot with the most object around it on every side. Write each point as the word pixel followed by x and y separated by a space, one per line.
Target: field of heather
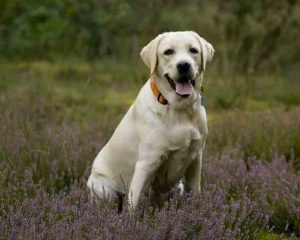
pixel 70 69
pixel 56 116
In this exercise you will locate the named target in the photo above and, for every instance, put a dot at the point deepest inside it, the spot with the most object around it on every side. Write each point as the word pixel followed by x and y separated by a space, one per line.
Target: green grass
pixel 101 92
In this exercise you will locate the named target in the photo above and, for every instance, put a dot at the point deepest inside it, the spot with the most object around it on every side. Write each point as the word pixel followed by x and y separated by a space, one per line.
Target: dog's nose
pixel 183 67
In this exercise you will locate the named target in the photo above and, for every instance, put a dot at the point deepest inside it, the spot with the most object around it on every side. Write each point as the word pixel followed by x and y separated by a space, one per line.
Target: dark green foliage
pixel 248 36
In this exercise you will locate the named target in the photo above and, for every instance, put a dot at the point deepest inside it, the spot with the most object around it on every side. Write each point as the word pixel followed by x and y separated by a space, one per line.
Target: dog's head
pixel 177 59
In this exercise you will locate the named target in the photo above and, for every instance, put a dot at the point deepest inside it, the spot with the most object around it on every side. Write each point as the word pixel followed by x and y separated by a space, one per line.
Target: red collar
pixel 160 98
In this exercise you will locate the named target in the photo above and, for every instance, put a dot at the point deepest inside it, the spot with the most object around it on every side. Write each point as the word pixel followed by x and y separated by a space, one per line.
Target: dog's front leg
pixel 193 175
pixel 145 169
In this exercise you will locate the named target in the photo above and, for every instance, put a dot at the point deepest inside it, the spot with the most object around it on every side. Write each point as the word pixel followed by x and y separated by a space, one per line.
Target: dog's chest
pixel 184 145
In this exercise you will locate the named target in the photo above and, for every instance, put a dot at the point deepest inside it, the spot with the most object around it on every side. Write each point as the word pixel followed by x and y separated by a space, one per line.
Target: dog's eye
pixel 169 52
pixel 193 50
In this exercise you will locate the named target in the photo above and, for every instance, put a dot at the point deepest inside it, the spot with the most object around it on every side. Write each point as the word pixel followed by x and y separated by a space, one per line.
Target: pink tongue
pixel 184 88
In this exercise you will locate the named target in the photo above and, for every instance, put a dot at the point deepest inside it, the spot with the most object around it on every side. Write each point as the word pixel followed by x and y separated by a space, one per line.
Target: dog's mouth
pixel 184 87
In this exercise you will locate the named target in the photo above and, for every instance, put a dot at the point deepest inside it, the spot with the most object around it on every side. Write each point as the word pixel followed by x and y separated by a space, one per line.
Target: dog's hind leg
pixel 101 187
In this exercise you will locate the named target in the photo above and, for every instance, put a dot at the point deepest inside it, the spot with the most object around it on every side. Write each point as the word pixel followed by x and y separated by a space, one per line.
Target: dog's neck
pixel 160 98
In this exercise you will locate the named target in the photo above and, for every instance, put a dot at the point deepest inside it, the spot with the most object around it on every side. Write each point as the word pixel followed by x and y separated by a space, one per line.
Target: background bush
pixel 248 36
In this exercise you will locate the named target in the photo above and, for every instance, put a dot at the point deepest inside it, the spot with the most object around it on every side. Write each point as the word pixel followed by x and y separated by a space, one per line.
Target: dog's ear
pixel 207 51
pixel 149 53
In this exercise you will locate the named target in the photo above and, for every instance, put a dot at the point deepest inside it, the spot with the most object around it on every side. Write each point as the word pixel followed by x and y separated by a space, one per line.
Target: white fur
pixel 157 143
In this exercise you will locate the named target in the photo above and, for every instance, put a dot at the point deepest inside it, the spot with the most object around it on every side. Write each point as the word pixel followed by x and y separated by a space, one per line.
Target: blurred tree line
pixel 248 35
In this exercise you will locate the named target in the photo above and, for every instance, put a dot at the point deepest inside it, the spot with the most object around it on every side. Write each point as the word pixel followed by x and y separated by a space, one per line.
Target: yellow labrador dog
pixel 161 138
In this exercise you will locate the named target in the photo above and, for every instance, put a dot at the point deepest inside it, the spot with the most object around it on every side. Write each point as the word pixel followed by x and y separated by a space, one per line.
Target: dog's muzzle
pixel 184 86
